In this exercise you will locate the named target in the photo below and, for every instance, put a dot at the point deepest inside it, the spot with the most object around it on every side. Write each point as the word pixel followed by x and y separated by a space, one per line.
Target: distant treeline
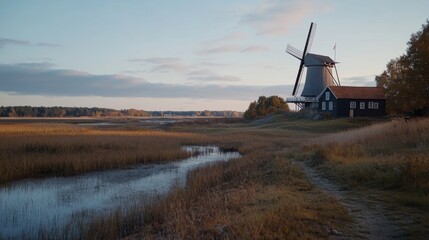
pixel 28 111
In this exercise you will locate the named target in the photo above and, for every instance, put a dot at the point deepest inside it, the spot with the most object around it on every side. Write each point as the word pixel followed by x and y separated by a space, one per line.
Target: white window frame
pixel 362 105
pixel 353 104
pixel 323 106
pixel 375 105
pixel 331 106
pixel 370 105
pixel 327 96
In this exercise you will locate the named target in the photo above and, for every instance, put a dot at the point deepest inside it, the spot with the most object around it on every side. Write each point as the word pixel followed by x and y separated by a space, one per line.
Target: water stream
pixel 30 205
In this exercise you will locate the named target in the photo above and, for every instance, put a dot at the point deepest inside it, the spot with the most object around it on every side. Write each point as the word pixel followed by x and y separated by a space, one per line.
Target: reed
pixel 390 155
pixel 42 150
pixel 259 196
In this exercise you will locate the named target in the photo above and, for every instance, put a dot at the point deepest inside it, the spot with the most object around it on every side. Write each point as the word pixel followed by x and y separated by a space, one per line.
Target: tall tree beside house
pixel 265 106
pixel 406 79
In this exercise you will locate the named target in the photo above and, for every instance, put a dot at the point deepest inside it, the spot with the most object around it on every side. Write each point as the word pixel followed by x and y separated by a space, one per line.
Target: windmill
pixel 319 73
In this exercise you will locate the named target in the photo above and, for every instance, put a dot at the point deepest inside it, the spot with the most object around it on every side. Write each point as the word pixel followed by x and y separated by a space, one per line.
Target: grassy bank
pixel 389 161
pixel 44 150
pixel 259 196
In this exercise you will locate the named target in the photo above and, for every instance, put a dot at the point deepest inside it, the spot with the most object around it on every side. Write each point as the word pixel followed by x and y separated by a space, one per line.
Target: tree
pixel 406 79
pixel 265 106
pixel 251 112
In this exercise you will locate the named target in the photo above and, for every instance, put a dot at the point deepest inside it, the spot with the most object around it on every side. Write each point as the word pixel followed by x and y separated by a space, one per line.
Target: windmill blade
pixel 294 51
pixel 298 78
pixel 310 38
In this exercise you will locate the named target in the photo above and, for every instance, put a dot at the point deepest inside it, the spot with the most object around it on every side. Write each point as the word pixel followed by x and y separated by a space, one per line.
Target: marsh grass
pixel 42 150
pixel 256 197
pixel 262 202
pixel 388 161
pixel 392 155
pixel 259 196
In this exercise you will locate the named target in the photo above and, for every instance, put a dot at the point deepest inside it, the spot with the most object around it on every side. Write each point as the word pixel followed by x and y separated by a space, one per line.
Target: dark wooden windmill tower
pixel 319 73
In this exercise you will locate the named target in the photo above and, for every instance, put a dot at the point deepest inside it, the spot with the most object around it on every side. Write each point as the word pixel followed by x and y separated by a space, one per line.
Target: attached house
pixel 345 101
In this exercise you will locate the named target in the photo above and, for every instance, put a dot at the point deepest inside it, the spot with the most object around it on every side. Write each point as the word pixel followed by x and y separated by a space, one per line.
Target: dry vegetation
pixel 391 155
pixel 388 160
pixel 259 196
pixel 43 150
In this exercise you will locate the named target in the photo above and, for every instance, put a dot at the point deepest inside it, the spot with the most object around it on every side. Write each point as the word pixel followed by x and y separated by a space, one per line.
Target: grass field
pixel 259 196
pixel 389 160
pixel 44 150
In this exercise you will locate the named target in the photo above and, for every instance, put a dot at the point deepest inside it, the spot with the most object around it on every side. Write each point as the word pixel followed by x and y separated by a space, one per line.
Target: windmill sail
pixel 307 48
pixel 318 76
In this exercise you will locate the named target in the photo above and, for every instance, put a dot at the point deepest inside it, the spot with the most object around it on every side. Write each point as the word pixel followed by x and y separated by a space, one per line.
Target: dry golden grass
pixel 392 155
pixel 257 197
pixel 388 161
pixel 43 150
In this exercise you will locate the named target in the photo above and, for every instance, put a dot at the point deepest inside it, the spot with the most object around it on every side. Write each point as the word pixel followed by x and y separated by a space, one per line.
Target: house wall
pixel 341 107
pixel 334 111
pixel 367 112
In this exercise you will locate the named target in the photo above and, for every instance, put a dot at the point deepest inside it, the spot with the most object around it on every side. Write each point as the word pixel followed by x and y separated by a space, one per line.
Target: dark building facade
pixel 345 101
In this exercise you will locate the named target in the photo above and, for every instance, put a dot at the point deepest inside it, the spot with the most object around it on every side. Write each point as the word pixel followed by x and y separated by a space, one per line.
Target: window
pixel 362 105
pixel 323 105
pixel 331 106
pixel 327 96
pixel 376 105
pixel 370 105
pixel 352 104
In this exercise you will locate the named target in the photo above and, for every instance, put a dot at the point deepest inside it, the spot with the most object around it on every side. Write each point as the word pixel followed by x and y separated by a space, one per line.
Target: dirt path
pixel 369 214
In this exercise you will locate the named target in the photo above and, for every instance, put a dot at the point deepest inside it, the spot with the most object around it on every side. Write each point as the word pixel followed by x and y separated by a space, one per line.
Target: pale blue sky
pixel 188 55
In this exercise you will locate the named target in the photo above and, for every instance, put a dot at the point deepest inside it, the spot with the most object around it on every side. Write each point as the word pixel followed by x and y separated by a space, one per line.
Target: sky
pixel 188 55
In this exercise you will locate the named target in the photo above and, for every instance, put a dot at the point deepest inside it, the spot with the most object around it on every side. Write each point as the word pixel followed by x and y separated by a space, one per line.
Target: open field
pixel 261 195
pixel 389 161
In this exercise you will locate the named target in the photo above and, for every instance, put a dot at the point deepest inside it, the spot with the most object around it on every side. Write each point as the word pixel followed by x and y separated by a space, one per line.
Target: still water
pixel 28 206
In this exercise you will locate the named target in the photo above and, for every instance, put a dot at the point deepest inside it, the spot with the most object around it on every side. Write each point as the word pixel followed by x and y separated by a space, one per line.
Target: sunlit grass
pixel 391 155
pixel 261 195
pixel 388 160
pixel 43 150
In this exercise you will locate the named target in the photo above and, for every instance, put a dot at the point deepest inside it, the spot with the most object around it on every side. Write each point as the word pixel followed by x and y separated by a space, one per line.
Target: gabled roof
pixel 347 92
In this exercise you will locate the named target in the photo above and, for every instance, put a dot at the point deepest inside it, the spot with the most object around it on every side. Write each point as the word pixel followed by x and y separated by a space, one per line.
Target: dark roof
pixel 311 57
pixel 346 92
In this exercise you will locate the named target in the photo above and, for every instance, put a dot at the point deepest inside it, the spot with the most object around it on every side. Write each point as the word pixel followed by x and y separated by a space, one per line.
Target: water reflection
pixel 30 205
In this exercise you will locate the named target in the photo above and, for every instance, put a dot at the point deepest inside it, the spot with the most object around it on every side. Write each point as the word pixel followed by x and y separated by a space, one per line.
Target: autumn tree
pixel 406 79
pixel 265 106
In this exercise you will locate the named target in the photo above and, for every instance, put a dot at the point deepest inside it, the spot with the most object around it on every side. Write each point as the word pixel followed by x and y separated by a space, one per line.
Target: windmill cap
pixel 315 59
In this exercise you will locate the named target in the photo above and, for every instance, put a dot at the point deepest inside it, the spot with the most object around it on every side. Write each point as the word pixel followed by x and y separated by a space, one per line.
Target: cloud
pixel 8 41
pixel 277 17
pixel 157 60
pixel 221 49
pixel 233 48
pixel 211 64
pixel 162 64
pixel 28 79
pixel 50 45
pixel 368 80
pixel 209 76
pixel 256 48
pixel 170 67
